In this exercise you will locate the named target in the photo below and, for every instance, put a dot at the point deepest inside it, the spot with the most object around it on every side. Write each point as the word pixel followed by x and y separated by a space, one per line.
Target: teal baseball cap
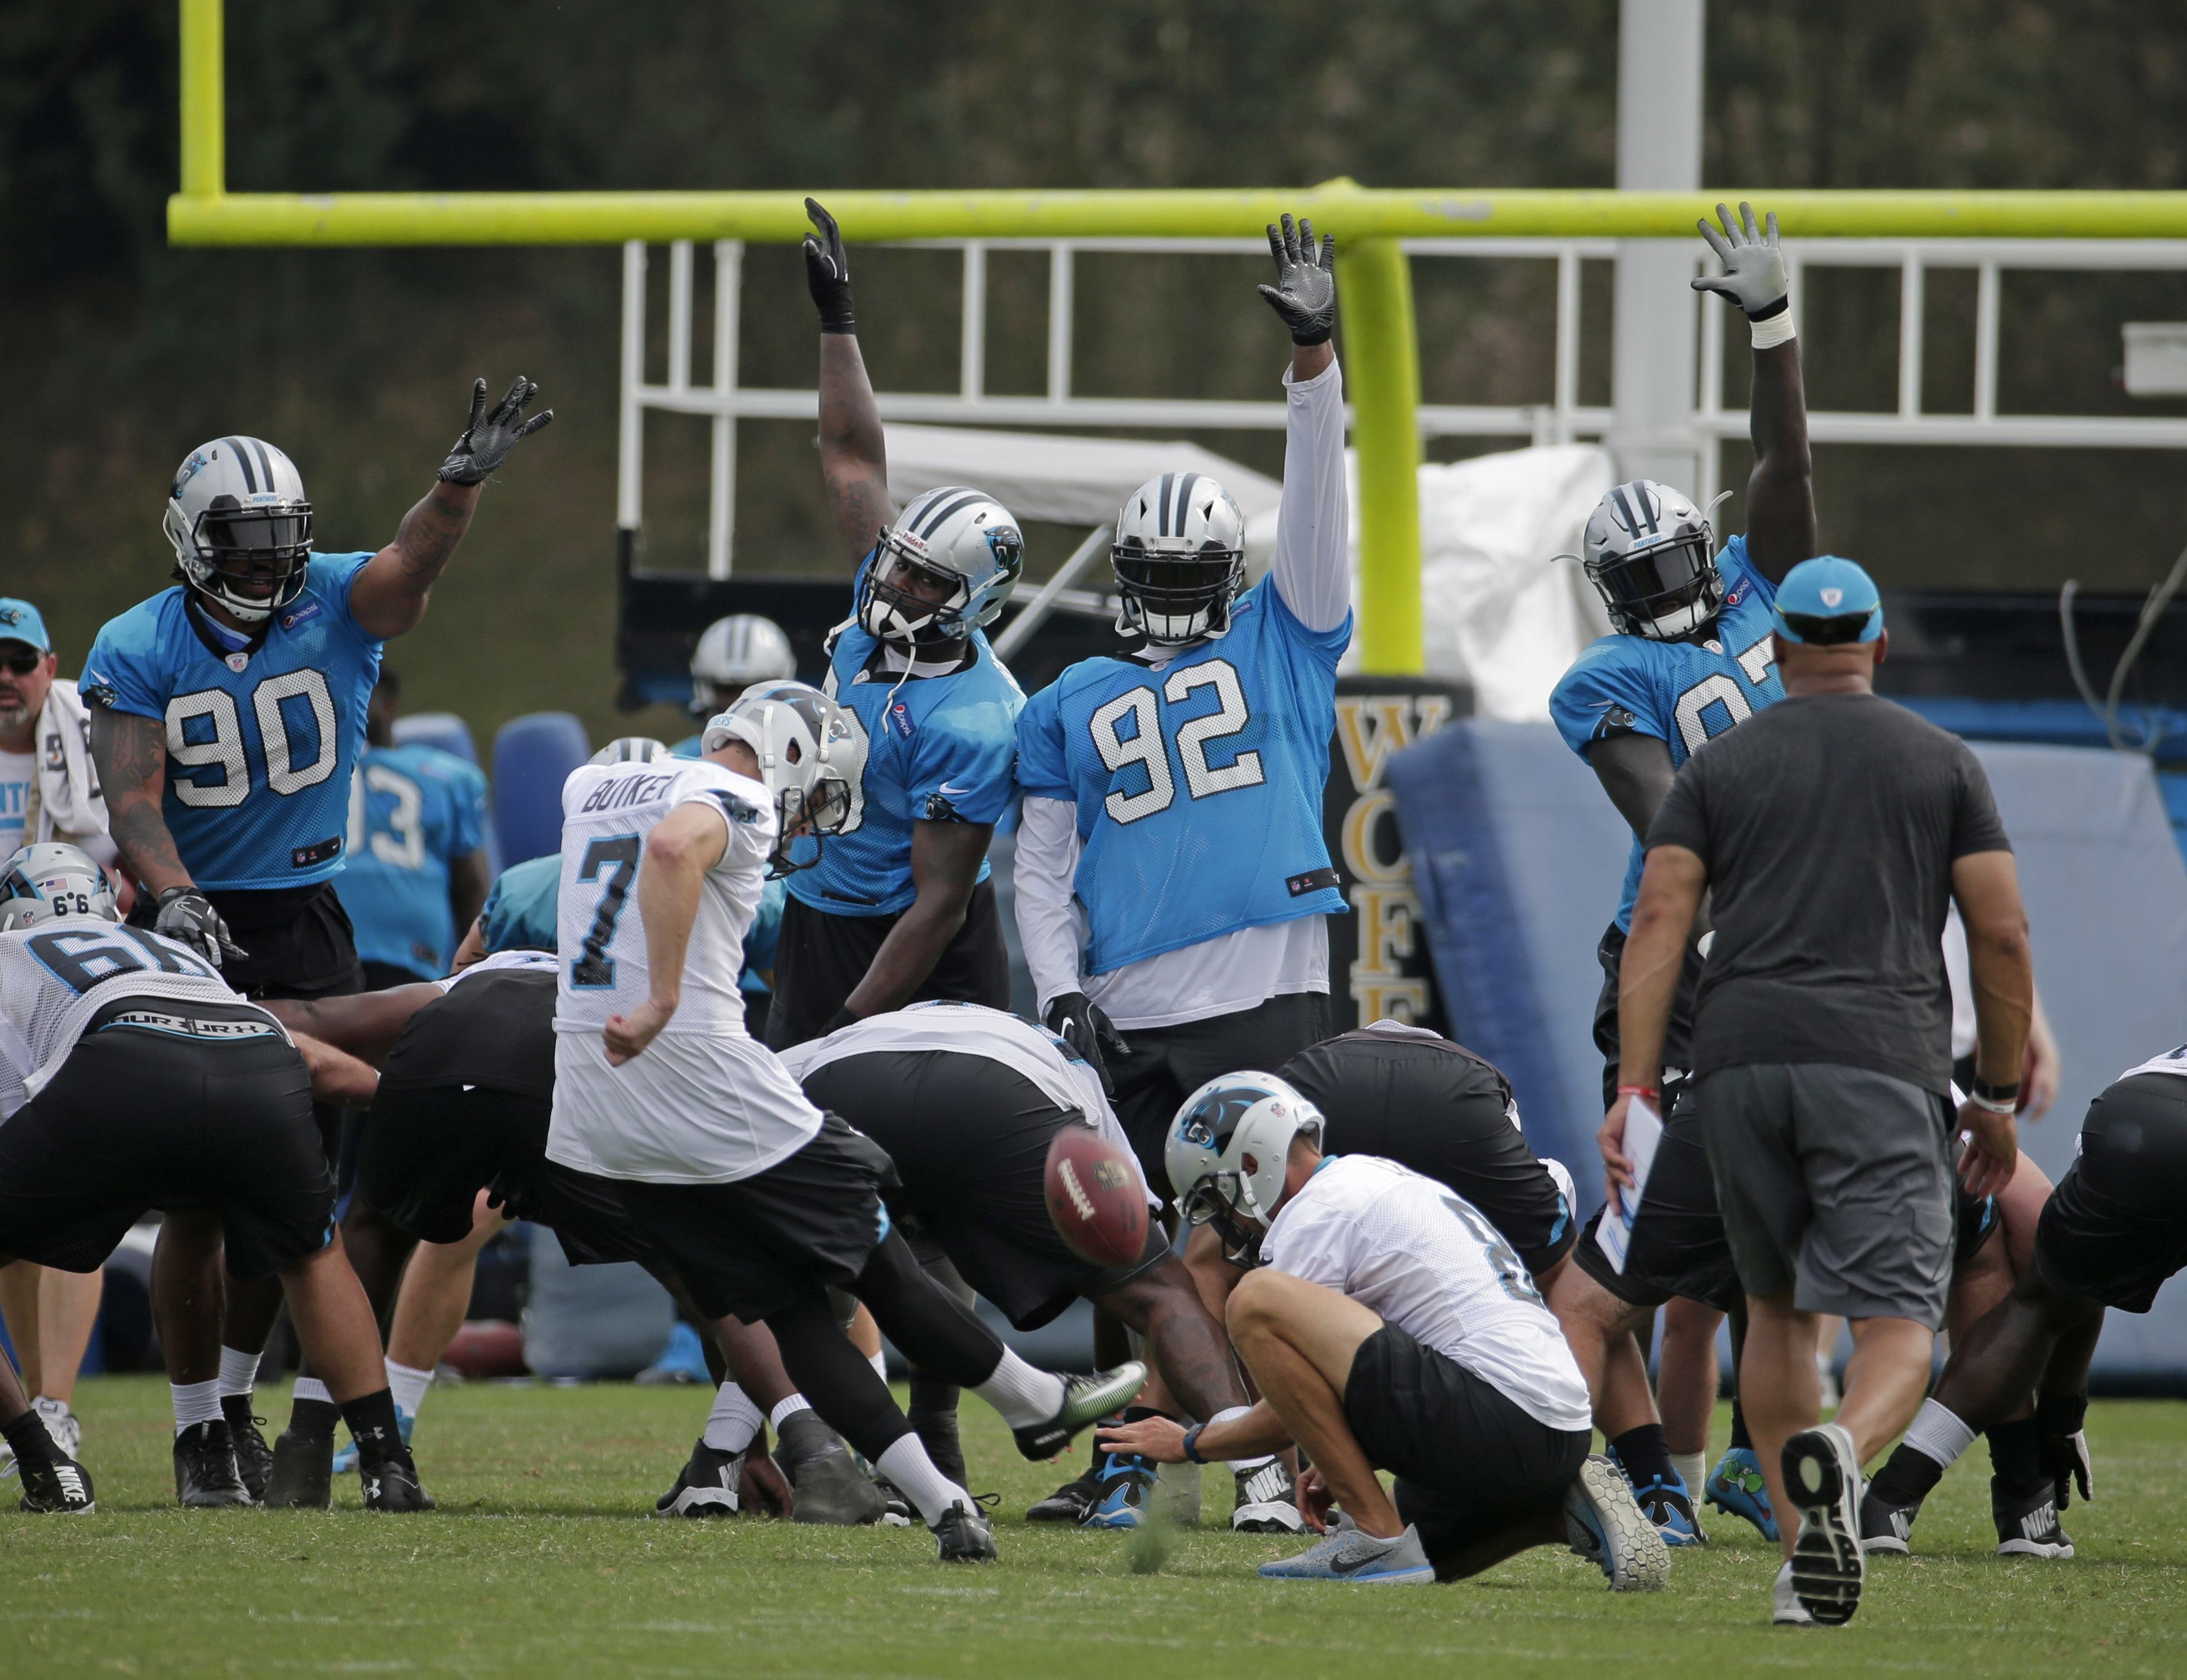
pixel 19 621
pixel 1829 601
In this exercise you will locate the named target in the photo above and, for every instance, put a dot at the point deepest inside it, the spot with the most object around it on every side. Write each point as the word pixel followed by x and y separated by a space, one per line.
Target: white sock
pixel 408 1384
pixel 1692 1468
pixel 1238 1465
pixel 906 1465
pixel 735 1420
pixel 788 1408
pixel 239 1371
pixel 1938 1434
pixel 879 1363
pixel 1024 1396
pixel 195 1403
pixel 310 1388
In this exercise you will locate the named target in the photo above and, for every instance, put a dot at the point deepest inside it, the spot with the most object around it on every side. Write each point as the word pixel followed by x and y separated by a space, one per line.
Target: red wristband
pixel 1638 1091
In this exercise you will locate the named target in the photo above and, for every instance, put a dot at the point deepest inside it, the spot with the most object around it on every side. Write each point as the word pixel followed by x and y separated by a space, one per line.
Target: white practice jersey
pixel 704 1103
pixel 1033 1052
pixel 1430 1262
pixel 56 977
pixel 2171 1061
pixel 534 961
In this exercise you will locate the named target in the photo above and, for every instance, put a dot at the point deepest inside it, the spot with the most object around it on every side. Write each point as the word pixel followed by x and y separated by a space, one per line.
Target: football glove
pixel 485 444
pixel 1753 275
pixel 2065 1458
pixel 1082 1023
pixel 1305 292
pixel 187 917
pixel 827 272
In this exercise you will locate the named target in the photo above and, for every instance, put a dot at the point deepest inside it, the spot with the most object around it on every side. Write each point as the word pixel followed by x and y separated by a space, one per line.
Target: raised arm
pixel 1313 566
pixel 853 450
pixel 1780 491
pixel 687 843
pixel 388 597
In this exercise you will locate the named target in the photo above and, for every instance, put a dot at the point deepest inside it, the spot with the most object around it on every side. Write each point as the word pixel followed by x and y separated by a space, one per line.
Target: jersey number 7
pixel 613 863
pixel 1144 747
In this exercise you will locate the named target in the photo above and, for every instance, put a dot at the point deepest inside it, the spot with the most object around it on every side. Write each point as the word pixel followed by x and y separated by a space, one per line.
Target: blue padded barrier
pixel 532 757
pixel 441 729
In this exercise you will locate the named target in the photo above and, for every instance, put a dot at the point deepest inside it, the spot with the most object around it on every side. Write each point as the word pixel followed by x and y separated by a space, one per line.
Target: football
pixel 1095 1198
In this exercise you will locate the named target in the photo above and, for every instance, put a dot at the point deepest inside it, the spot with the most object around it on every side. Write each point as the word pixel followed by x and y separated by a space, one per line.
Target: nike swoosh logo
pixel 1344 1568
pixel 946 789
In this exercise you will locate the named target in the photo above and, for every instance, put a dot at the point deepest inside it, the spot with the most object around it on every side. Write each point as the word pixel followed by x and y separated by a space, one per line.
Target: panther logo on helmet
pixel 241 526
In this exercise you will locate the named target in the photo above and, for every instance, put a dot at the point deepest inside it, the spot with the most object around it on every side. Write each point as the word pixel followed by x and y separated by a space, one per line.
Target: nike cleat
pixel 1606 1526
pixel 706 1485
pixel 303 1475
pixel 392 1485
pixel 1821 1476
pixel 57 1486
pixel 1669 1506
pixel 346 1460
pixel 830 1488
pixel 963 1536
pixel 895 1503
pixel 1073 1502
pixel 1347 1552
pixel 1086 1400
pixel 2028 1522
pixel 254 1458
pixel 1736 1488
pixel 1884 1527
pixel 205 1477
pixel 1128 1487
pixel 1267 1500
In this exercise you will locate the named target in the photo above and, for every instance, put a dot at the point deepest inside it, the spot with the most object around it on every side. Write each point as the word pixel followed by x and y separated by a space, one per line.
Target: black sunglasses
pixel 20 665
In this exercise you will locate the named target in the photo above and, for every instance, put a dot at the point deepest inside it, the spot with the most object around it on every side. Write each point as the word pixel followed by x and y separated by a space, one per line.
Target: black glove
pixel 480 451
pixel 827 272
pixel 1305 292
pixel 187 917
pixel 1080 1024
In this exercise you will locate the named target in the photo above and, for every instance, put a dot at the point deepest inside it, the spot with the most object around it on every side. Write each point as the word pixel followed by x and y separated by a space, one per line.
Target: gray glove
pixel 486 442
pixel 1305 292
pixel 1753 275
pixel 187 917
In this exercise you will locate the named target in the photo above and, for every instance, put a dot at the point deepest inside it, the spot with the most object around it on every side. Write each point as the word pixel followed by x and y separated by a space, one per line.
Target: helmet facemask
pixel 891 613
pixel 963 541
pixel 1664 592
pixel 809 758
pixel 1172 596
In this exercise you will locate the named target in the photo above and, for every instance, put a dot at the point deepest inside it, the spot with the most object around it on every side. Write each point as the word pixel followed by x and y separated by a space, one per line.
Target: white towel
pixel 69 801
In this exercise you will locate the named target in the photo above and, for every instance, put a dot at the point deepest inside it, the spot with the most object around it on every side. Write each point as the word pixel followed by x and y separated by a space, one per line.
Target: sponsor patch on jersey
pixel 319 851
pixel 309 611
pixel 1738 595
pixel 1314 880
pixel 899 717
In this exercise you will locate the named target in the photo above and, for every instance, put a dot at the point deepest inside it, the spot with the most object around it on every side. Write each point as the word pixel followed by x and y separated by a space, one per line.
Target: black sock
pixel 372 1420
pixel 315 1419
pixel 28 1436
pixel 2060 1413
pixel 1740 1438
pixel 1908 1478
pixel 1644 1457
pixel 2016 1453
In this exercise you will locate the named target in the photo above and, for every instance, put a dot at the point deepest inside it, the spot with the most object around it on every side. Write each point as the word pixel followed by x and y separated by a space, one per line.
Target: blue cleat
pixel 1126 1483
pixel 1668 1506
pixel 1346 1554
pixel 346 1460
pixel 1736 1488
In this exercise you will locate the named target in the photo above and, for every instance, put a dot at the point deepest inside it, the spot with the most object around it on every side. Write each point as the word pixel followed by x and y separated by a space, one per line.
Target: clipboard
pixel 1613 1234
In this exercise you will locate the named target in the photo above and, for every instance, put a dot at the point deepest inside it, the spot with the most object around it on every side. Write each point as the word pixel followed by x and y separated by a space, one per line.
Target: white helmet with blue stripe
pixel 1228 1152
pixel 50 882
pixel 968 543
pixel 241 526
pixel 1180 558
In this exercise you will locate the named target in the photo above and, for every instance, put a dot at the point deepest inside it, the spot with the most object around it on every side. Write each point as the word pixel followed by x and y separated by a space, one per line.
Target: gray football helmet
pixel 964 537
pixel 810 758
pixel 1180 554
pixel 49 882
pixel 241 526
pixel 1650 553
pixel 735 653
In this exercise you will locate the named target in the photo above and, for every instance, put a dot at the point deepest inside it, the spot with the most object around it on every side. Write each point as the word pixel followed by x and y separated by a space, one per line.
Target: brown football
pixel 1095 1198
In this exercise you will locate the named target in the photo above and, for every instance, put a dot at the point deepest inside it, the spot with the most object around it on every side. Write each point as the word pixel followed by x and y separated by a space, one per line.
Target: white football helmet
pixel 810 758
pixel 1179 554
pixel 962 538
pixel 631 750
pixel 48 882
pixel 1228 1150
pixel 735 653
pixel 1650 553
pixel 240 521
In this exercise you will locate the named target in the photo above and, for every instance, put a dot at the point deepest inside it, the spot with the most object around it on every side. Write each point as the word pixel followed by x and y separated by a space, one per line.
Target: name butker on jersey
pixel 1209 772
pixel 262 742
pixel 1681 692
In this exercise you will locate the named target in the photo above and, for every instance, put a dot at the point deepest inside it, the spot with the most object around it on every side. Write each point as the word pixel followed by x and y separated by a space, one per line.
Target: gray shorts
pixel 1835 1183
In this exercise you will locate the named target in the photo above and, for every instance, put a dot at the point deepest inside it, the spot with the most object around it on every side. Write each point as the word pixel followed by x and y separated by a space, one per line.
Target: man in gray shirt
pixel 1831 833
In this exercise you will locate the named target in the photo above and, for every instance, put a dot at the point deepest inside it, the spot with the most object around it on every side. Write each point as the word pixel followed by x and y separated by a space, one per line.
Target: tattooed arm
pixel 131 754
pixel 389 595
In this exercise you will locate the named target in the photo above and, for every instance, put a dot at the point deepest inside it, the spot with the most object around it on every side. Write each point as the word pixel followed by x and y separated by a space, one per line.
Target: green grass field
pixel 543 1560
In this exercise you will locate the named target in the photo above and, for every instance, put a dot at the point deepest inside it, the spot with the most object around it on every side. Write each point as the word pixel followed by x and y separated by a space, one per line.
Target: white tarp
pixel 1499 611
pixel 1072 481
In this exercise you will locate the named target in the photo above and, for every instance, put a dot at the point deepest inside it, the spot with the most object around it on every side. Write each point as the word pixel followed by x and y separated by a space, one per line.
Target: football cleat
pixel 962 1536
pixel 1075 1500
pixel 1886 1527
pixel 303 1475
pixel 706 1485
pixel 57 1486
pixel 2028 1522
pixel 896 1505
pixel 830 1488
pixel 1086 1400
pixel 1666 1504
pixel 1822 1477
pixel 254 1458
pixel 1347 1552
pixel 346 1460
pixel 1605 1526
pixel 63 1425
pixel 205 1477
pixel 1267 1500
pixel 1127 1484
pixel 1736 1488
pixel 392 1485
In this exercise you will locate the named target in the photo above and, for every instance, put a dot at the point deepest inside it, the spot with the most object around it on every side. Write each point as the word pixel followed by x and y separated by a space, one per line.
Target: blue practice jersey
pixel 1197 786
pixel 938 749
pixel 520 914
pixel 1682 692
pixel 261 744
pixel 413 811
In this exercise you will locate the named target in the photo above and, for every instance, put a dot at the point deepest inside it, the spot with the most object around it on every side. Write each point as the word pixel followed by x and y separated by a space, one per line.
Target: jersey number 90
pixel 1144 748
pixel 223 749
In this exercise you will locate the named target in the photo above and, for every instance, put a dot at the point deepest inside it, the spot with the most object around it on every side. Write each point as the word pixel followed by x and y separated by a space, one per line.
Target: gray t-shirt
pixel 1829 825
